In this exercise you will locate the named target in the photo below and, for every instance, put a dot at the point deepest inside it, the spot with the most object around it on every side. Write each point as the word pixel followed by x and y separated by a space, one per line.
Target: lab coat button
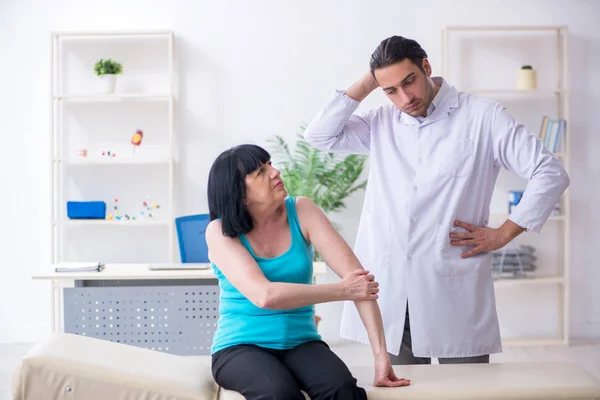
pixel 409 258
pixel 415 188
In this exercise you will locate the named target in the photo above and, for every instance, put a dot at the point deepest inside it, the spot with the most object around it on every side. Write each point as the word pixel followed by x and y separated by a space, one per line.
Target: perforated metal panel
pixel 174 319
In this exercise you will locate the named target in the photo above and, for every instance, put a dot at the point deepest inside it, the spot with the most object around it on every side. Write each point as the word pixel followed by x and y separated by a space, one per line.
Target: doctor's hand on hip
pixel 360 285
pixel 483 238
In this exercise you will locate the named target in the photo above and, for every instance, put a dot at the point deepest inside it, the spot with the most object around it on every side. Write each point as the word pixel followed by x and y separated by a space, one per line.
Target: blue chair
pixel 191 234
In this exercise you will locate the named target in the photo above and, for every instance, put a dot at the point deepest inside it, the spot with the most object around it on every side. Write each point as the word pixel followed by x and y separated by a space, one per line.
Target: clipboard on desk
pixel 80 267
pixel 178 267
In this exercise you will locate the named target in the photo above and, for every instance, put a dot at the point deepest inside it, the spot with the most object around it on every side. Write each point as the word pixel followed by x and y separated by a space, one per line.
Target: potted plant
pixel 108 70
pixel 526 78
pixel 327 178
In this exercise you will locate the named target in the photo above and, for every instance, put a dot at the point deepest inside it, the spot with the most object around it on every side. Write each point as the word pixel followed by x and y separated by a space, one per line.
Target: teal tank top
pixel 241 322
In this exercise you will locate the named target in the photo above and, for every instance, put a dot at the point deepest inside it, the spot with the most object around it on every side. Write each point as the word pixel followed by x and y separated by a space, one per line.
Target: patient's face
pixel 264 186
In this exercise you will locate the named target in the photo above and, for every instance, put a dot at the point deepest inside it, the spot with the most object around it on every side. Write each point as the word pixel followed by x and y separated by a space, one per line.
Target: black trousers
pixel 260 373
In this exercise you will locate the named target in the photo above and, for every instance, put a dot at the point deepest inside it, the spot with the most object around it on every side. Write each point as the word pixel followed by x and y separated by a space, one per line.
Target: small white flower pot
pixel 526 79
pixel 107 83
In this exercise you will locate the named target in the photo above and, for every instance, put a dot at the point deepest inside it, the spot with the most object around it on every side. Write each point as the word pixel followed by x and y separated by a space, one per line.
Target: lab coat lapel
pixel 445 108
pixel 406 119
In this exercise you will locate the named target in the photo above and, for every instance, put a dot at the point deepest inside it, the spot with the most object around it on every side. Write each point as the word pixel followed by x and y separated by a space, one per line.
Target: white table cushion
pixel 80 368
pixel 73 367
pixel 479 381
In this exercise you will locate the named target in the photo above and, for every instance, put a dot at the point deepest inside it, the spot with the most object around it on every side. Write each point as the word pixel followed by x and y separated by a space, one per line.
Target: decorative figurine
pixel 147 208
pixel 136 139
pixel 116 208
pixel 106 153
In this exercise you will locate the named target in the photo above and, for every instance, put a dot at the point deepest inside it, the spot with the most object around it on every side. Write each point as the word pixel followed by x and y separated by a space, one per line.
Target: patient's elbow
pixel 265 300
pixel 262 302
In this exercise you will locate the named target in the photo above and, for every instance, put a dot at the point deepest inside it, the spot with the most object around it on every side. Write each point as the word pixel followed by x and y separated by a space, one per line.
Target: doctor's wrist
pixel 361 89
pixel 509 230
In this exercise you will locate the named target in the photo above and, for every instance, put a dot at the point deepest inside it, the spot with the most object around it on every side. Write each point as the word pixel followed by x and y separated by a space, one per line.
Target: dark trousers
pixel 260 373
pixel 406 356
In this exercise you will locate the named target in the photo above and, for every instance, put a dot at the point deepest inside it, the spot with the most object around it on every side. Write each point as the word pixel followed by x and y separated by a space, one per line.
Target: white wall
pixel 249 70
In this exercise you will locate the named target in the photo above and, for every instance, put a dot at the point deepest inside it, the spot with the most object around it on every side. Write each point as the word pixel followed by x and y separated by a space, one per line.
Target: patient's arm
pixel 240 268
pixel 339 256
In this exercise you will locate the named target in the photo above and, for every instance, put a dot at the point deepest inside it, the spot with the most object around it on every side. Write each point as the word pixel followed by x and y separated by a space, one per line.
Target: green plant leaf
pixel 328 179
pixel 108 66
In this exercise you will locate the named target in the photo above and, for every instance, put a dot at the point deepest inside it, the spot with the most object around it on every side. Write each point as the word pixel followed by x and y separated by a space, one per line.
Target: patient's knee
pixel 283 392
pixel 346 389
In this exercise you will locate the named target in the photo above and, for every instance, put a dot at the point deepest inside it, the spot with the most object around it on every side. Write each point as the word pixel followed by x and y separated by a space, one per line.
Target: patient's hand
pixel 385 375
pixel 360 285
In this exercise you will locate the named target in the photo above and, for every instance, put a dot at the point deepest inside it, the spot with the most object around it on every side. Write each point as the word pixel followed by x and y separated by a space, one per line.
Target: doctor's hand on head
pixel 482 238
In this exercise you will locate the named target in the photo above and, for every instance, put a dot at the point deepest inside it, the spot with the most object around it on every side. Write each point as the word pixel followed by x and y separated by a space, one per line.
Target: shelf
pixel 477 43
pixel 514 28
pixel 119 35
pixel 496 216
pixel 557 218
pixel 79 108
pixel 116 161
pixel 107 222
pixel 542 92
pixel 114 97
pixel 545 280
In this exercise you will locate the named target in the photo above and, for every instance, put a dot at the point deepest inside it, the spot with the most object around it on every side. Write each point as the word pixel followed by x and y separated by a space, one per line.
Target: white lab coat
pixel 422 177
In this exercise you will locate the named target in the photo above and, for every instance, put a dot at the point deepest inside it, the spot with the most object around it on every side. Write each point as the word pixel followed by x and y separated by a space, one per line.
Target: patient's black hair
pixel 227 187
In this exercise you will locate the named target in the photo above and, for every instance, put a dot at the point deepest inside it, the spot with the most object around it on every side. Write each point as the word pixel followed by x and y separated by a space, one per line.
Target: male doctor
pixel 435 154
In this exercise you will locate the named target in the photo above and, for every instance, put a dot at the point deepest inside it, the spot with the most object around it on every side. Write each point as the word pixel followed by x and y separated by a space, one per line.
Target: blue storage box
pixel 86 209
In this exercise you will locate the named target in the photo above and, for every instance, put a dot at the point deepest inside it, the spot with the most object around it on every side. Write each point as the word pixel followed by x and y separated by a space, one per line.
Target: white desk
pixel 120 272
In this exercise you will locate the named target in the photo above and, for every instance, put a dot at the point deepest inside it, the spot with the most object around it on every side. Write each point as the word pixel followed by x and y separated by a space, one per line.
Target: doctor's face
pixel 407 86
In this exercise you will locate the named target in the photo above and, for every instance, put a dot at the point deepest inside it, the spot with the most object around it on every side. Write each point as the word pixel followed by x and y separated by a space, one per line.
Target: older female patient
pixel 260 243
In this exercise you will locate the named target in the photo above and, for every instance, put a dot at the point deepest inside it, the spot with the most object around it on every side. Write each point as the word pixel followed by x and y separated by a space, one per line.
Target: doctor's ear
pixel 426 67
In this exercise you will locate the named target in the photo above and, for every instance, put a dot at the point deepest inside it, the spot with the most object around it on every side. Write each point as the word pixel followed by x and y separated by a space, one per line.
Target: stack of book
pixel 513 262
pixel 552 134
pixel 80 267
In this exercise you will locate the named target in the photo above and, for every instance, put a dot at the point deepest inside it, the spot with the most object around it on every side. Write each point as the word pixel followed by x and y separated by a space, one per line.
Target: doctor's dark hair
pixel 227 187
pixel 395 49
